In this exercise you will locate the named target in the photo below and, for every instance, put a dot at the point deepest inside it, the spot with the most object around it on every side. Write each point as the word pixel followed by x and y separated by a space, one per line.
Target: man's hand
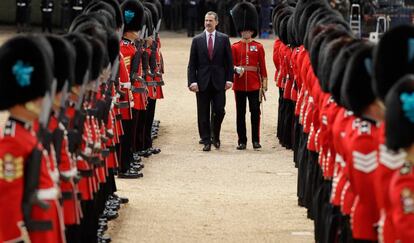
pixel 228 85
pixel 239 71
pixel 264 84
pixel 193 87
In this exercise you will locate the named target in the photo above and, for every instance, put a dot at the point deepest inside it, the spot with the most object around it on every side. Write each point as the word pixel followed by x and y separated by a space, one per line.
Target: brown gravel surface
pixel 225 195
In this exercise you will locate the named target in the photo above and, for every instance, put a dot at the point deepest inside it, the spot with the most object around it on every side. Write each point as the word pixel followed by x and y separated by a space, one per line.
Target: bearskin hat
pixel 399 120
pixel 98 56
pixel 356 89
pixel 83 56
pixel 158 5
pixel 393 58
pixel 154 13
pixel 113 46
pixel 327 57
pixel 133 12
pixel 148 22
pixel 338 69
pixel 118 16
pixel 24 77
pixel 64 65
pixel 245 17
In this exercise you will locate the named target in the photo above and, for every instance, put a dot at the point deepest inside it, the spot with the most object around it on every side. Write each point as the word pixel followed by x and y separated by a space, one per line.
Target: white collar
pixel 208 33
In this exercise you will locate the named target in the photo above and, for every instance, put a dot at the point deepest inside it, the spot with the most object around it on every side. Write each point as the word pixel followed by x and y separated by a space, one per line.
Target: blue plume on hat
pixel 23 73
pixel 129 15
pixel 408 105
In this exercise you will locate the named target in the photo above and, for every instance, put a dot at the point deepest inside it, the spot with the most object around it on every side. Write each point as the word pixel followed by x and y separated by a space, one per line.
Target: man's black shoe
pixel 129 174
pixel 137 166
pixel 217 144
pixel 145 153
pixel 136 157
pixel 155 150
pixel 110 214
pixel 256 145
pixel 207 147
pixel 241 146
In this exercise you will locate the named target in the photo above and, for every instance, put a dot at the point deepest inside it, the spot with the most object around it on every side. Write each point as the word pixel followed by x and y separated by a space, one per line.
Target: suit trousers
pixel 254 107
pixel 217 100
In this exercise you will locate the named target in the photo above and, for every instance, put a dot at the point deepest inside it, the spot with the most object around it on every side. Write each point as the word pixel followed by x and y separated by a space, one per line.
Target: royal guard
pixel 250 79
pixel 46 8
pixel 134 20
pixel 64 71
pixel 22 15
pixel 35 214
pixel 399 129
pixel 153 75
pixel 363 148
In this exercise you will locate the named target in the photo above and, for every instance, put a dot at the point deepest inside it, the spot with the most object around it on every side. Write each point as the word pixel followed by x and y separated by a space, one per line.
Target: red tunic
pixel 17 142
pixel 252 56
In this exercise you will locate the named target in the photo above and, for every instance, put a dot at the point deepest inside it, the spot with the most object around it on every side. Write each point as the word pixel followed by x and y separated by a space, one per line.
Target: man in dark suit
pixel 210 72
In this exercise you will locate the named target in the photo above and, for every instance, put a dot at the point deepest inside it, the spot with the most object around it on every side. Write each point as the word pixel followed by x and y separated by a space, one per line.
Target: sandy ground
pixel 225 195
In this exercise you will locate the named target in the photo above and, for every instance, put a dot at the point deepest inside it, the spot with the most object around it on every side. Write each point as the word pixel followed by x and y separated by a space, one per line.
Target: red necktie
pixel 210 47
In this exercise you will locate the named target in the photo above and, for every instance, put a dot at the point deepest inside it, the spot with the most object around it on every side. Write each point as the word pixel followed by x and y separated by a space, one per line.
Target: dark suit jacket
pixel 202 70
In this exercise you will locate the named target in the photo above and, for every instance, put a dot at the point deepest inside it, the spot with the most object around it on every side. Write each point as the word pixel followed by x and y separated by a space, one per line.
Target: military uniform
pixel 22 14
pixel 46 7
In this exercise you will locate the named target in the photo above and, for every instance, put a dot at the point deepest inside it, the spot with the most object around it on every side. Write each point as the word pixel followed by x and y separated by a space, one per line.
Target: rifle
pixel 32 168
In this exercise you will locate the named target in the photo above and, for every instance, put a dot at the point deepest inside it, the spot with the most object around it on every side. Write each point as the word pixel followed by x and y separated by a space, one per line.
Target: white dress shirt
pixel 208 36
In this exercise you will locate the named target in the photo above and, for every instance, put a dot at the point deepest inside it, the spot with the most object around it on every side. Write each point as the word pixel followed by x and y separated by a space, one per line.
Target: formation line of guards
pixel 346 109
pixel 81 111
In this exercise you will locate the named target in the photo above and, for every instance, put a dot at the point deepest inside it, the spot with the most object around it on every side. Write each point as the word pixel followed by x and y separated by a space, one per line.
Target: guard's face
pixel 210 23
pixel 247 34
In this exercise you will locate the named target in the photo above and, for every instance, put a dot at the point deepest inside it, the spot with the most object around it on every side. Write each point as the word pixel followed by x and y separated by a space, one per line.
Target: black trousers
pixel 217 100
pixel 126 145
pixel 149 119
pixel 47 22
pixel 139 117
pixel 191 26
pixel 254 107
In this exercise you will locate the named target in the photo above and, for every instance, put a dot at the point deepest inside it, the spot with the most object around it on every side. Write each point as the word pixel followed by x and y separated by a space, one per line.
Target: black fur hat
pixel 133 12
pixel 327 57
pixel 64 63
pixel 338 69
pixel 113 47
pixel 24 70
pixel 158 5
pixel 154 13
pixel 303 18
pixel 98 55
pixel 245 17
pixel 83 55
pixel 393 58
pixel 118 16
pixel 399 120
pixel 148 21
pixel 356 89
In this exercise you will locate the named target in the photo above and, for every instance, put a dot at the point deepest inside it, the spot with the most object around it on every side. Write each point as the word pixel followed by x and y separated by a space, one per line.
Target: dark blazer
pixel 202 70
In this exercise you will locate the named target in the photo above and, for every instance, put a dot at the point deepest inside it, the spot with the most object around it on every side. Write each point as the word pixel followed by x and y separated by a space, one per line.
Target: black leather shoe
pixel 129 174
pixel 217 144
pixel 145 153
pixel 256 145
pixel 136 157
pixel 137 166
pixel 207 147
pixel 155 150
pixel 110 214
pixel 241 146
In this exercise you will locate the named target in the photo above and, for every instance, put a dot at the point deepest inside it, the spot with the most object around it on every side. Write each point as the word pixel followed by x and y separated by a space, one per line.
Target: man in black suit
pixel 210 73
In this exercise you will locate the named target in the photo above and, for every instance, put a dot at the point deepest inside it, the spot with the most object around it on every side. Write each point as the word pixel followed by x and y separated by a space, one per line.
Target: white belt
pixel 48 10
pixel 48 194
pixel 21 4
pixel 70 173
pixel 126 85
pixel 77 8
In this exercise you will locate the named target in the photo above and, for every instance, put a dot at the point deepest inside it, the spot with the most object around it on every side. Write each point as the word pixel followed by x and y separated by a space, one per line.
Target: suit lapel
pixel 204 43
pixel 216 43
